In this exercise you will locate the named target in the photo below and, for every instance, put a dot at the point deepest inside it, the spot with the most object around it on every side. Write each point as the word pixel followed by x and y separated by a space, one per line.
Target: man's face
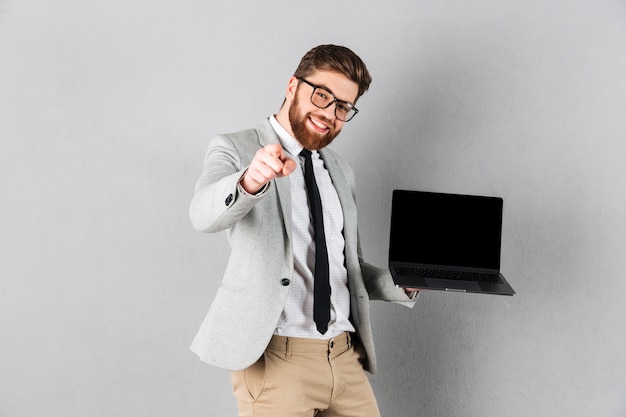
pixel 313 127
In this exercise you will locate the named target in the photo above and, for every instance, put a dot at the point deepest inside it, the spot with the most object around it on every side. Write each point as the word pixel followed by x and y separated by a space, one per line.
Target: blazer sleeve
pixel 378 281
pixel 218 203
pixel 380 286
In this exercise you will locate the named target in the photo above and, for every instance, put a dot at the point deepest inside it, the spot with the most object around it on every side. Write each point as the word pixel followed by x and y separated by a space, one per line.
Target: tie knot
pixel 306 153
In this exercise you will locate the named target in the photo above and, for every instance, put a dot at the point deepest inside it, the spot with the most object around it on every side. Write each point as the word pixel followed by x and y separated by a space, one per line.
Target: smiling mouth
pixel 319 126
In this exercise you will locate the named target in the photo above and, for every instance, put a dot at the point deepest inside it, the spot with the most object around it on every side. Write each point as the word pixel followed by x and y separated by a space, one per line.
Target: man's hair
pixel 335 58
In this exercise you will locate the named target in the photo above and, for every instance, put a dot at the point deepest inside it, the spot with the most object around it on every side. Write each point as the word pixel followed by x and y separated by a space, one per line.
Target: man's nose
pixel 330 111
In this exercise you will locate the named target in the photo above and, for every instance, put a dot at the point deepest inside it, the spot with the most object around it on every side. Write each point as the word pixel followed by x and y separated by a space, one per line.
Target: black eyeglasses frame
pixel 335 100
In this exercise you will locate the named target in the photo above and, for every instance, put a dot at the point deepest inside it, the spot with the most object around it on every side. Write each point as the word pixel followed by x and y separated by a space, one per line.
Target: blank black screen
pixel 446 229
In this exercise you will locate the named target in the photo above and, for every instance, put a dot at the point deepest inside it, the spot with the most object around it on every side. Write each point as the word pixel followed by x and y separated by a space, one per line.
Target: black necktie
pixel 321 291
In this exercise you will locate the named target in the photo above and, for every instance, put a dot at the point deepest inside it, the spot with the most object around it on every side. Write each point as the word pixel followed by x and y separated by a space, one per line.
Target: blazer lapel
pixel 344 192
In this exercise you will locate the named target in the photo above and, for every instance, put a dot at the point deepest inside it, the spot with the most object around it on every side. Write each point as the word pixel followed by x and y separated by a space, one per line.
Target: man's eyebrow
pixel 334 95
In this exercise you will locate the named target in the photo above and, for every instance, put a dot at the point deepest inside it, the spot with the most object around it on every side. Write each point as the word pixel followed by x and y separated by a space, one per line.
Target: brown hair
pixel 335 58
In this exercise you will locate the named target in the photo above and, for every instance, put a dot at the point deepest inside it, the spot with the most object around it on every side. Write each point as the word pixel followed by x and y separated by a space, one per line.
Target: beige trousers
pixel 299 377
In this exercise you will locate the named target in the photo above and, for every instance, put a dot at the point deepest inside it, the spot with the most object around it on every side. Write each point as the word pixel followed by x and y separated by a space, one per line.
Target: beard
pixel 309 139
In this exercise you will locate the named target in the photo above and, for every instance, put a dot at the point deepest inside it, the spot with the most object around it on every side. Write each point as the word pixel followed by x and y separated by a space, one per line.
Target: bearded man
pixel 291 317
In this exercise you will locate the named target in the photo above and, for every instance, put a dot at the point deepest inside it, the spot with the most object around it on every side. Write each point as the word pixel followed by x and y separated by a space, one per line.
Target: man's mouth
pixel 319 126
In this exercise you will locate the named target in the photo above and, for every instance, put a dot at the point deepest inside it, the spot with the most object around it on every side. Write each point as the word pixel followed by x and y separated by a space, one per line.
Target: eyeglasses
pixel 323 99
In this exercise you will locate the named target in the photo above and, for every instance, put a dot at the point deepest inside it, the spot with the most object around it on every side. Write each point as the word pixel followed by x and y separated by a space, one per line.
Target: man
pixel 291 318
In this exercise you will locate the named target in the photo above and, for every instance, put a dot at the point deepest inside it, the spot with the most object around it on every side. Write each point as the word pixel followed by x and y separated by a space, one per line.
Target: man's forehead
pixel 336 83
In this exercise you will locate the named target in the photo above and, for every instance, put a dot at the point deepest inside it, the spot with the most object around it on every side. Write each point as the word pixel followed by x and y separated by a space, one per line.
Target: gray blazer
pixel 254 288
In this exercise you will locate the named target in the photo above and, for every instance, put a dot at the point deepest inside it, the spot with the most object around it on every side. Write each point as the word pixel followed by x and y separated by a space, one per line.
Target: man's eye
pixel 322 94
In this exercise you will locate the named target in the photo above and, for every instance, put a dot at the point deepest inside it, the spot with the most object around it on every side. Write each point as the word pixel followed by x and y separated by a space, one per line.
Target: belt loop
pixel 287 347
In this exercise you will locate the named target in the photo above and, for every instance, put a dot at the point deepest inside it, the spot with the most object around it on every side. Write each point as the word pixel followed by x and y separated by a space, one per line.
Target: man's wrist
pixel 256 194
pixel 412 294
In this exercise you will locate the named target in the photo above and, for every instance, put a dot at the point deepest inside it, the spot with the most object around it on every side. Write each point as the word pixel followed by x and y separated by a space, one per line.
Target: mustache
pixel 321 118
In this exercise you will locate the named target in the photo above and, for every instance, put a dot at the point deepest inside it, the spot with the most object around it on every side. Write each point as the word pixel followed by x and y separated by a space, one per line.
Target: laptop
pixel 447 242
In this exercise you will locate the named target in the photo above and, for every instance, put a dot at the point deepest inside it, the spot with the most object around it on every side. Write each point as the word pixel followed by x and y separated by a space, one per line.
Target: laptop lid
pixel 441 233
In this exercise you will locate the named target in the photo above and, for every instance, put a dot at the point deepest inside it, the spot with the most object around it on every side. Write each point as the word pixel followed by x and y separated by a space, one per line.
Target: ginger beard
pixel 306 136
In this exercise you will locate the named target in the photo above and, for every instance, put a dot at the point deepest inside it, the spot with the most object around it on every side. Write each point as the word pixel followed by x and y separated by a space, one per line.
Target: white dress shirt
pixel 297 317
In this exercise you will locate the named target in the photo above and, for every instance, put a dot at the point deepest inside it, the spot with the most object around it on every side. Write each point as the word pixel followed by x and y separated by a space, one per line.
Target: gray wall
pixel 106 109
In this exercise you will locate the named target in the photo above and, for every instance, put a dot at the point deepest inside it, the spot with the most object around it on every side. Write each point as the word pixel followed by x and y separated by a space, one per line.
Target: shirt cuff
pixel 258 194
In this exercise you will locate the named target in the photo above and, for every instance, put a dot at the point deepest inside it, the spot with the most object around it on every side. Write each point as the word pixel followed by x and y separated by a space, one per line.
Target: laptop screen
pixel 445 229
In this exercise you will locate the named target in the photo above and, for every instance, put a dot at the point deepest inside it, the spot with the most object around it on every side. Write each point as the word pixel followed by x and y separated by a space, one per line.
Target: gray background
pixel 106 108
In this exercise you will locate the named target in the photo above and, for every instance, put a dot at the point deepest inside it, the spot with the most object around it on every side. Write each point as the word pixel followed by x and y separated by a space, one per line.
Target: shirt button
pixel 332 344
pixel 229 199
pixel 285 281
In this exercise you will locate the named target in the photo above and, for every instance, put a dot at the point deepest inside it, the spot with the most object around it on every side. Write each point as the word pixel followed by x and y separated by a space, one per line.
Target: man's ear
pixel 291 88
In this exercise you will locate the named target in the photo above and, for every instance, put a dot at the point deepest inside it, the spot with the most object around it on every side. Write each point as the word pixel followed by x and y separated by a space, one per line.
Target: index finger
pixel 275 150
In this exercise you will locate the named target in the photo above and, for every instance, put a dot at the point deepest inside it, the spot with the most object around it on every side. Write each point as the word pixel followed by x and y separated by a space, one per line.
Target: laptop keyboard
pixel 447 274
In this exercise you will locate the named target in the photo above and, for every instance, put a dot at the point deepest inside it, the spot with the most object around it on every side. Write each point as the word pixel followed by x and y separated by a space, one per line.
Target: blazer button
pixel 229 199
pixel 285 281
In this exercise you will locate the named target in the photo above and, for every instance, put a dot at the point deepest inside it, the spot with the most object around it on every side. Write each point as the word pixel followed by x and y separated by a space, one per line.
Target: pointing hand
pixel 268 163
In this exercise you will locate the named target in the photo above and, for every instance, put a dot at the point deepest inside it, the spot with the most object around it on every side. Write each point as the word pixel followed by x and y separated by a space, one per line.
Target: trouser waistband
pixel 289 345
